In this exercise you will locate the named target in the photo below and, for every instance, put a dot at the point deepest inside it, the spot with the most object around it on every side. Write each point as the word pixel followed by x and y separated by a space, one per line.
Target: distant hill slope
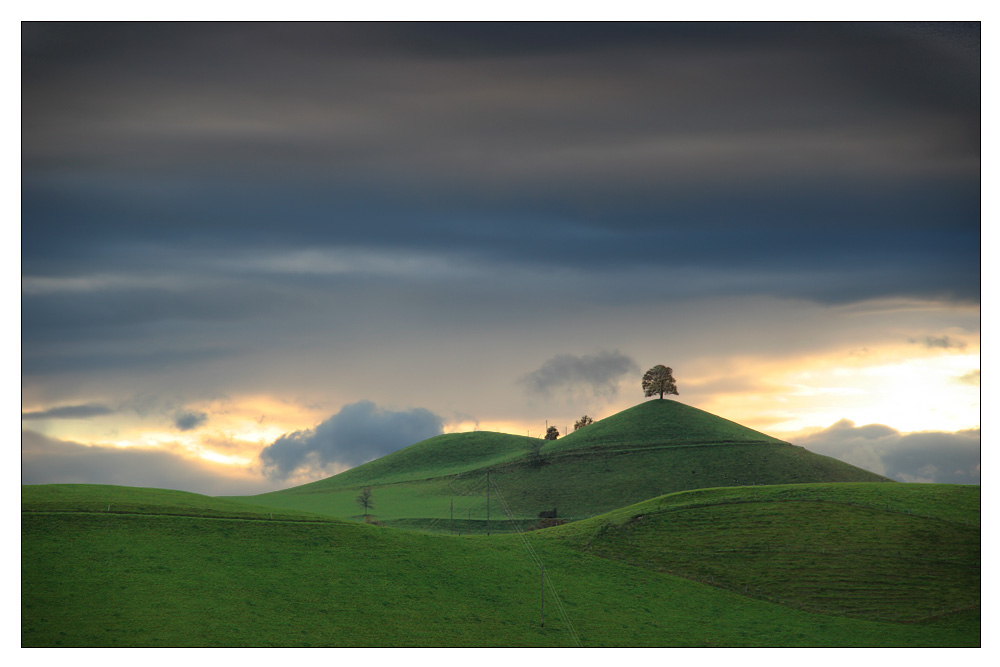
pixel 798 565
pixel 110 499
pixel 649 450
pixel 442 455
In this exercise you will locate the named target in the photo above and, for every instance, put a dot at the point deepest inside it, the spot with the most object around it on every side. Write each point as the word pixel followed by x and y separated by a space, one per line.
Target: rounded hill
pixel 656 423
pixel 655 448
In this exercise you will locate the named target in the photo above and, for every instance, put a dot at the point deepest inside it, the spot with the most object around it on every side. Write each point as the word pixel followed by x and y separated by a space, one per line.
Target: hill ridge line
pixel 746 501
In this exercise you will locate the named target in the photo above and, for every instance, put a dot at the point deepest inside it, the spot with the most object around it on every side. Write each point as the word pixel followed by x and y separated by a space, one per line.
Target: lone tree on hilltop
pixel 552 433
pixel 584 421
pixel 659 379
pixel 365 500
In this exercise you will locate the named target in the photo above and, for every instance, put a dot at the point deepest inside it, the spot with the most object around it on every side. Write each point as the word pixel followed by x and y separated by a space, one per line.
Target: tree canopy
pixel 365 500
pixel 659 379
pixel 552 433
pixel 584 421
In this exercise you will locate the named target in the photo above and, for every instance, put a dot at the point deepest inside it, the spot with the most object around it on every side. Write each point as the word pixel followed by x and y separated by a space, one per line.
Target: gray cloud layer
pixel 70 412
pixel 848 148
pixel 360 432
pixel 597 374
pixel 952 458
pixel 46 460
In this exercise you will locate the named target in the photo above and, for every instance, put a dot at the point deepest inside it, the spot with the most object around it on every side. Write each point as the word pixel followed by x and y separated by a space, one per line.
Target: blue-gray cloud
pixel 943 342
pixel 829 162
pixel 85 411
pixel 943 457
pixel 567 373
pixel 360 432
pixel 187 420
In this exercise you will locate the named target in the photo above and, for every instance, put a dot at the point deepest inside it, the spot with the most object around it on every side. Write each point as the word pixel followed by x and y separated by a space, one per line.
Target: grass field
pixel 685 530
pixel 207 576
pixel 851 549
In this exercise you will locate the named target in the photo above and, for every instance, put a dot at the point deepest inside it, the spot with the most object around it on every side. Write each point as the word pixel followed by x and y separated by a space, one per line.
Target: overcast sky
pixel 258 254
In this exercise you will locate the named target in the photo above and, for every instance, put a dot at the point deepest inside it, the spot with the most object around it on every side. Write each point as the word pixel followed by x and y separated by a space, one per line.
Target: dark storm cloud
pixel 548 107
pixel 190 136
pixel 566 373
pixel 71 412
pixel 952 458
pixel 109 309
pixel 360 432
pixel 648 162
pixel 187 420
pixel 46 460
pixel 523 101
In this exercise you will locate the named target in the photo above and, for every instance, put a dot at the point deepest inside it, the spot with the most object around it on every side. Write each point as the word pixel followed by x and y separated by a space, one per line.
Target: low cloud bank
pixel 47 460
pixel 70 412
pixel 929 456
pixel 566 373
pixel 360 432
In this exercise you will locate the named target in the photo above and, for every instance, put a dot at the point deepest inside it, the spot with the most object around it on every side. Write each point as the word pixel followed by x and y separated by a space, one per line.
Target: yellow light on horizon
pixel 916 394
pixel 216 457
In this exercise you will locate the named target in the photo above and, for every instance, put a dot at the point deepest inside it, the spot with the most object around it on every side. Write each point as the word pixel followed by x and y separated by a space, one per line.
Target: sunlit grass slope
pixel 94 578
pixel 882 551
pixel 652 449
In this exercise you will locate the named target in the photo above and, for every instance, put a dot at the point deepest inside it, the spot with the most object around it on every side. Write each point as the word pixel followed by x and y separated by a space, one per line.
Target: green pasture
pixel 92 578
pixel 849 549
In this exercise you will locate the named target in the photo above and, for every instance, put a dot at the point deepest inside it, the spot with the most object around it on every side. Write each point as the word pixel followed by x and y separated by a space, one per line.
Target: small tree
pixel 659 379
pixel 552 433
pixel 584 421
pixel 365 500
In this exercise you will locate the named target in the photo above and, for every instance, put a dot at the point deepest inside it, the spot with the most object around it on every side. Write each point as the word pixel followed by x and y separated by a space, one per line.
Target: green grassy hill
pixel 654 448
pixel 794 565
pixel 656 423
pixel 900 552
